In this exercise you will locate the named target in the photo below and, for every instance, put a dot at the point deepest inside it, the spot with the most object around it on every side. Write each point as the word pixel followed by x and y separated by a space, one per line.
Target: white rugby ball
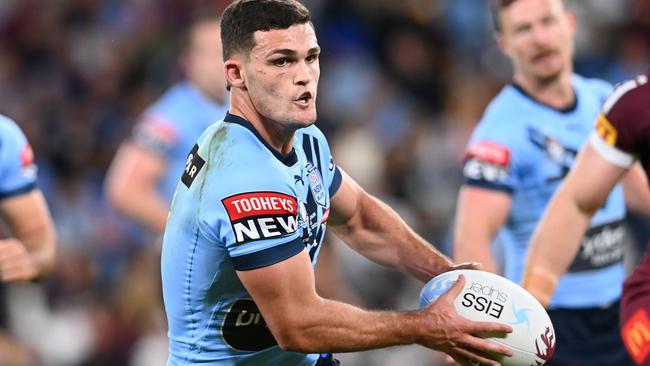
pixel 490 297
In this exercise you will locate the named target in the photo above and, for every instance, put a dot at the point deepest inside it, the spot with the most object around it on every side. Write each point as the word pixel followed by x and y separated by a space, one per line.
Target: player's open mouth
pixel 304 99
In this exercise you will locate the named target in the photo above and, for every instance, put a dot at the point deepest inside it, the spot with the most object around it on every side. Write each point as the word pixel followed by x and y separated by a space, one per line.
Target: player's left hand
pixel 15 262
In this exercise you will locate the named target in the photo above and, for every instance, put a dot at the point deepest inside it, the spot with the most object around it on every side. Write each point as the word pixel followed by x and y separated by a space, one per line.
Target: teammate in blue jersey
pixel 30 253
pixel 249 215
pixel 519 153
pixel 146 169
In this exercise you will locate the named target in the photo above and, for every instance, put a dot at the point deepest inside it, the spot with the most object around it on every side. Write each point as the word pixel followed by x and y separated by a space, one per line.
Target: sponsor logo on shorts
pixel 606 130
pixel 244 328
pixel 636 336
pixel 261 215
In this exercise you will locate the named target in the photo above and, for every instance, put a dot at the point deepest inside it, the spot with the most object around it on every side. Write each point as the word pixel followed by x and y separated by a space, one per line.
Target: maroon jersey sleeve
pixel 623 127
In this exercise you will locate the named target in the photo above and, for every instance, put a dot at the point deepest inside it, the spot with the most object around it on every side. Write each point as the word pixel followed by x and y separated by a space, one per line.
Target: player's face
pixel 537 35
pixel 282 73
pixel 205 60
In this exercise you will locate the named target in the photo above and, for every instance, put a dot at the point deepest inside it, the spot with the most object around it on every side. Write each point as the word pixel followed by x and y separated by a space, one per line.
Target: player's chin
pixel 305 118
pixel 548 74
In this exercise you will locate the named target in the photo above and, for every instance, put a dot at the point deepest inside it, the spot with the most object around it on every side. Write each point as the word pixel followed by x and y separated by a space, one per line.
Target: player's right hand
pixel 448 332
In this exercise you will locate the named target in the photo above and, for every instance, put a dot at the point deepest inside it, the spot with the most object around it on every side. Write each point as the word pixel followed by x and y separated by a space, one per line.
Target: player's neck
pixel 273 134
pixel 557 93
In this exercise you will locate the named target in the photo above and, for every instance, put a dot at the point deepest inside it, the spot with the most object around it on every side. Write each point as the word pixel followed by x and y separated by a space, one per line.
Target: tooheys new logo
pixel 261 215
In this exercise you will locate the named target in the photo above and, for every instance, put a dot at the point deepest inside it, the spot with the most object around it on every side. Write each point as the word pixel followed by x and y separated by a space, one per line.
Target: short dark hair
pixel 243 18
pixel 495 8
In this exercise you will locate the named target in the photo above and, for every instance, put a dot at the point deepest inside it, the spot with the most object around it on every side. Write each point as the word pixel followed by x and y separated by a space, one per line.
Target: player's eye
pixel 522 29
pixel 280 61
pixel 548 21
pixel 312 58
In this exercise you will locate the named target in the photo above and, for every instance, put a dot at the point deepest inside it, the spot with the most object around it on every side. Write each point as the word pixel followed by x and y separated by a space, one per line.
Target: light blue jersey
pixel 17 168
pixel 240 205
pixel 526 148
pixel 171 126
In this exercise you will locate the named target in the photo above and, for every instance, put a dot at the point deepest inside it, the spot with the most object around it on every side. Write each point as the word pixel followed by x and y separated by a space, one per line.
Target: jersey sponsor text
pixel 261 215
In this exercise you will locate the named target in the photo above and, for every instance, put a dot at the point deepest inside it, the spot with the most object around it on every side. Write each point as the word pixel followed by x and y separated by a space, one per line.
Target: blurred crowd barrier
pixel 403 83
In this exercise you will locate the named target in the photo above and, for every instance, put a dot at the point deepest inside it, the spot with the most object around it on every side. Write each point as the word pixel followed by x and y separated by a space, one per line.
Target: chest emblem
pixel 316 185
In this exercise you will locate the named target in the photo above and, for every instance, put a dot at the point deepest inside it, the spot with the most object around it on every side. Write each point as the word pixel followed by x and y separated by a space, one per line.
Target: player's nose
pixel 303 74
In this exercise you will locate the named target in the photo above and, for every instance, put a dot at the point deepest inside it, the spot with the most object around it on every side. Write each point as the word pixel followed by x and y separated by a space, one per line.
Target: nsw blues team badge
pixel 316 185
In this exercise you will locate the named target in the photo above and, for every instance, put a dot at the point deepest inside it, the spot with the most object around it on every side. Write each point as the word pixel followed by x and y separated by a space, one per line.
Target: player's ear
pixel 572 19
pixel 500 41
pixel 234 74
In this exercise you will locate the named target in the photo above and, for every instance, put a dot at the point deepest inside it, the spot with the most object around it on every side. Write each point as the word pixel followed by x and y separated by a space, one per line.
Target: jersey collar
pixel 289 159
pixel 568 109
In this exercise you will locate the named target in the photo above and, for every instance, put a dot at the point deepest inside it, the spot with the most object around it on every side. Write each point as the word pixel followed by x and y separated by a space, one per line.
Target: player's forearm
pixel 379 234
pixel 554 244
pixel 476 251
pixel 472 243
pixel 42 250
pixel 32 227
pixel 332 326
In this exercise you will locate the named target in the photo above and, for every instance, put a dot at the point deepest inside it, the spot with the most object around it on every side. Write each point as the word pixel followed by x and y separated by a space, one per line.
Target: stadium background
pixel 403 83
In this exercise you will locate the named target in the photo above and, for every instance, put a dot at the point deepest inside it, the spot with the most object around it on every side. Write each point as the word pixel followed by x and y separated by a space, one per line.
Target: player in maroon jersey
pixel 621 138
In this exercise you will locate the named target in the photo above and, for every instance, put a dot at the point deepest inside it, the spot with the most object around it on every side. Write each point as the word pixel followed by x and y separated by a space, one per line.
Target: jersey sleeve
pixel 262 227
pixel 490 159
pixel 17 166
pixel 622 128
pixel 246 205
pixel 155 133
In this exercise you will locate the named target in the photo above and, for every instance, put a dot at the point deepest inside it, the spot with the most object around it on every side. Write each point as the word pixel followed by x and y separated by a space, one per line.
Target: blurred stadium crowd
pixel 402 85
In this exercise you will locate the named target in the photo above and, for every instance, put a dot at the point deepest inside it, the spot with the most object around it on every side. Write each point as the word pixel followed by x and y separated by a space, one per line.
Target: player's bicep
pixel 135 165
pixel 135 171
pixel 345 204
pixel 591 179
pixel 637 190
pixel 282 291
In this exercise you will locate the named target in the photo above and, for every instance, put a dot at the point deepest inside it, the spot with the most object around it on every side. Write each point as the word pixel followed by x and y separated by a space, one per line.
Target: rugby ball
pixel 490 297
